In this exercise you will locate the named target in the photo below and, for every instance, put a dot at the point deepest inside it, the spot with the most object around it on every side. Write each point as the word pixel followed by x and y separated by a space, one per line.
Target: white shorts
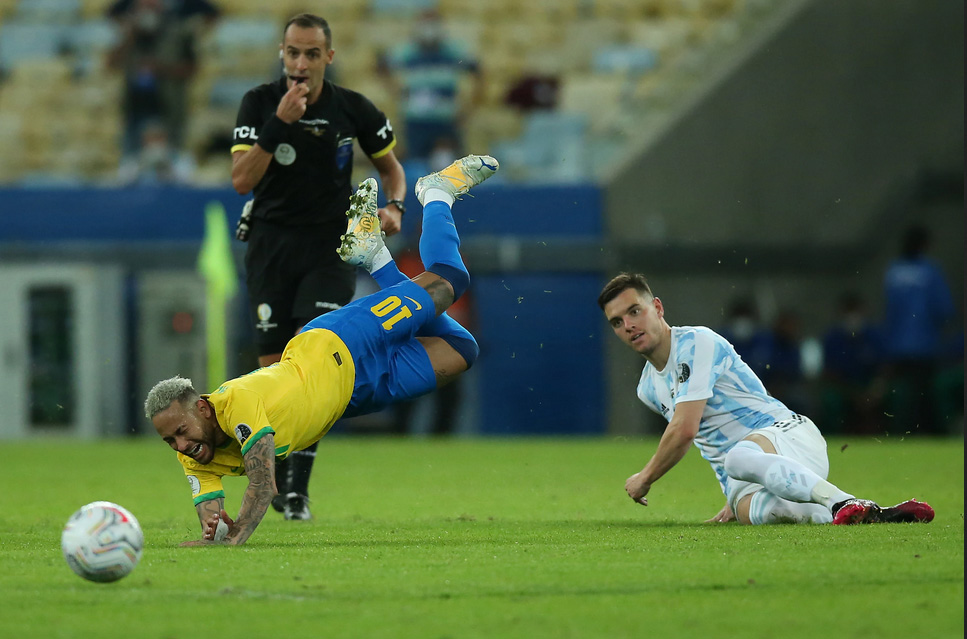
pixel 796 438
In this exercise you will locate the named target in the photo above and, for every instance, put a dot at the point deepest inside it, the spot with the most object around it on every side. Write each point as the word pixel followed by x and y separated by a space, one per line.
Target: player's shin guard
pixel 440 247
pixel 766 508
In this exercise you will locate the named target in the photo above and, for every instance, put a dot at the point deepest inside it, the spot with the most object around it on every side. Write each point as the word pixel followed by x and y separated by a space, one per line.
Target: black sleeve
pixel 375 133
pixel 249 121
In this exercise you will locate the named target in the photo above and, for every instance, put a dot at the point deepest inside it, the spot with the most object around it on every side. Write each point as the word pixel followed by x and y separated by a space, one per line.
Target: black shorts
pixel 293 274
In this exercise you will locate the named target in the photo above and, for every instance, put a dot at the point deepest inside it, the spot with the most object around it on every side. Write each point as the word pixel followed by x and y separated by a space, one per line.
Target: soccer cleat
pixel 297 508
pixel 863 511
pixel 910 511
pixel 363 238
pixel 855 511
pixel 459 177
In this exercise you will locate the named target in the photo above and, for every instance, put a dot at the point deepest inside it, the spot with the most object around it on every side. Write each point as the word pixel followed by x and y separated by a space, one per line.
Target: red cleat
pixel 856 511
pixel 864 511
pixel 910 511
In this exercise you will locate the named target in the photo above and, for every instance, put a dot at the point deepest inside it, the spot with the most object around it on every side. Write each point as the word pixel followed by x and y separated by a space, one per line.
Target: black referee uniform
pixel 293 273
pixel 292 270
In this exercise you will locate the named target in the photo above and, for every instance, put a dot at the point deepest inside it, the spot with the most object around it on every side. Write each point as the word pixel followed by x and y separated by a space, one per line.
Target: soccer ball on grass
pixel 102 542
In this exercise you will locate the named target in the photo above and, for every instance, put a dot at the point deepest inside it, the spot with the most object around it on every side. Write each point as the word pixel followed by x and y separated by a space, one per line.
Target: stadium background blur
pixel 762 149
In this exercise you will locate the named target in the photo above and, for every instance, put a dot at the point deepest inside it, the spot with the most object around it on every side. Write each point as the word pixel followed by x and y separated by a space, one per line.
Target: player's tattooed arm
pixel 441 293
pixel 260 469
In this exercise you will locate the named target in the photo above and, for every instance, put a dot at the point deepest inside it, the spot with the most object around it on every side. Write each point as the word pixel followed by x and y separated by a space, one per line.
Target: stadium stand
pixel 615 59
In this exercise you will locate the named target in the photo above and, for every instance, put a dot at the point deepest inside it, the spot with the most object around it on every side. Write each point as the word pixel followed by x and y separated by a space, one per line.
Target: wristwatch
pixel 399 204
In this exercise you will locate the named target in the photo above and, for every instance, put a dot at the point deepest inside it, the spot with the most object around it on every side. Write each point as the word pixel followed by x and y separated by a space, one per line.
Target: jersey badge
pixel 242 432
pixel 344 153
pixel 683 373
pixel 285 154
pixel 315 127
pixel 195 485
pixel 264 312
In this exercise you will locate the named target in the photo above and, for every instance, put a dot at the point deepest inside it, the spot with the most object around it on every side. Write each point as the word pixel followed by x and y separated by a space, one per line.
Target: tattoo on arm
pixel 260 469
pixel 207 509
pixel 441 294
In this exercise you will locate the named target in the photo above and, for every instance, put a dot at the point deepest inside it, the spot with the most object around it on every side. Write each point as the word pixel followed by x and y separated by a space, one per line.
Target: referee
pixel 293 146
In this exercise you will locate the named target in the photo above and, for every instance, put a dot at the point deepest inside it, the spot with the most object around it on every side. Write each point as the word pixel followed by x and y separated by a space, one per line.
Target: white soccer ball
pixel 102 542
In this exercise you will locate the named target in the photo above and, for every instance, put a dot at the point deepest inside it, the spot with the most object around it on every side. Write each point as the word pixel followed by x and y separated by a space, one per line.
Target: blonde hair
pixel 174 389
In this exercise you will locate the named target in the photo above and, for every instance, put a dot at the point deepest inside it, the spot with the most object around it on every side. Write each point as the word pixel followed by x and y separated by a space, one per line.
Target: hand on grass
pixel 218 526
pixel 637 488
pixel 724 515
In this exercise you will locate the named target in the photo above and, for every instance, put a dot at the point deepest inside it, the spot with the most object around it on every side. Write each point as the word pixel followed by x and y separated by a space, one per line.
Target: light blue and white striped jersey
pixel 703 365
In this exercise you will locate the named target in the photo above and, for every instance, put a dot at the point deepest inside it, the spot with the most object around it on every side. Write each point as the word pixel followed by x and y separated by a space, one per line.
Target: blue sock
pixel 440 247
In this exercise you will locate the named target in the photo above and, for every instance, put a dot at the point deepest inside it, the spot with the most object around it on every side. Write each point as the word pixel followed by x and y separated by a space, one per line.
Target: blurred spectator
pixel 427 74
pixel 919 308
pixel 156 52
pixel 852 389
pixel 443 153
pixel 784 374
pixel 156 161
pixel 445 402
pixel 749 338
pixel 534 92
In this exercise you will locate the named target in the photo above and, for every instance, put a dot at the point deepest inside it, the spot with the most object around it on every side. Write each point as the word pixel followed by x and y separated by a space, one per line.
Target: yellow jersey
pixel 297 399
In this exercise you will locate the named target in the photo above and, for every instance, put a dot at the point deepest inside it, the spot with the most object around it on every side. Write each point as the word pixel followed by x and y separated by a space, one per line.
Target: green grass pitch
pixel 485 538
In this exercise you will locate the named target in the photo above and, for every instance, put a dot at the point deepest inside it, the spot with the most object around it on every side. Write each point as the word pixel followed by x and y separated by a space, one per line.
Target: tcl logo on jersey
pixel 246 132
pixel 385 131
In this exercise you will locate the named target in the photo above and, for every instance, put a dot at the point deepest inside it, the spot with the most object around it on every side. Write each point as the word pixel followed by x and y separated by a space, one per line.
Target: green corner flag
pixel 217 266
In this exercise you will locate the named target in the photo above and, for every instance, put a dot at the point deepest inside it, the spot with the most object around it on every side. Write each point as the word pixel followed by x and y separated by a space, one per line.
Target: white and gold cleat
pixel 459 177
pixel 364 237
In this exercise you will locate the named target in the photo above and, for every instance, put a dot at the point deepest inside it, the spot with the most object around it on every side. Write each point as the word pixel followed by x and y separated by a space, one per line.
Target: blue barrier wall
pixel 138 214
pixel 173 213
pixel 541 365
pixel 542 354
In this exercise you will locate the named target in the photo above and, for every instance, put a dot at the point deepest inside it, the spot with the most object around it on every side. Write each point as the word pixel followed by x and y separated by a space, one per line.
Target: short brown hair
pixel 621 282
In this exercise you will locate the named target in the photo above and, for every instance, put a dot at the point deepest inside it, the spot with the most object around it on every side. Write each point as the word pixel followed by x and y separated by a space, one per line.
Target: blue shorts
pixel 379 330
